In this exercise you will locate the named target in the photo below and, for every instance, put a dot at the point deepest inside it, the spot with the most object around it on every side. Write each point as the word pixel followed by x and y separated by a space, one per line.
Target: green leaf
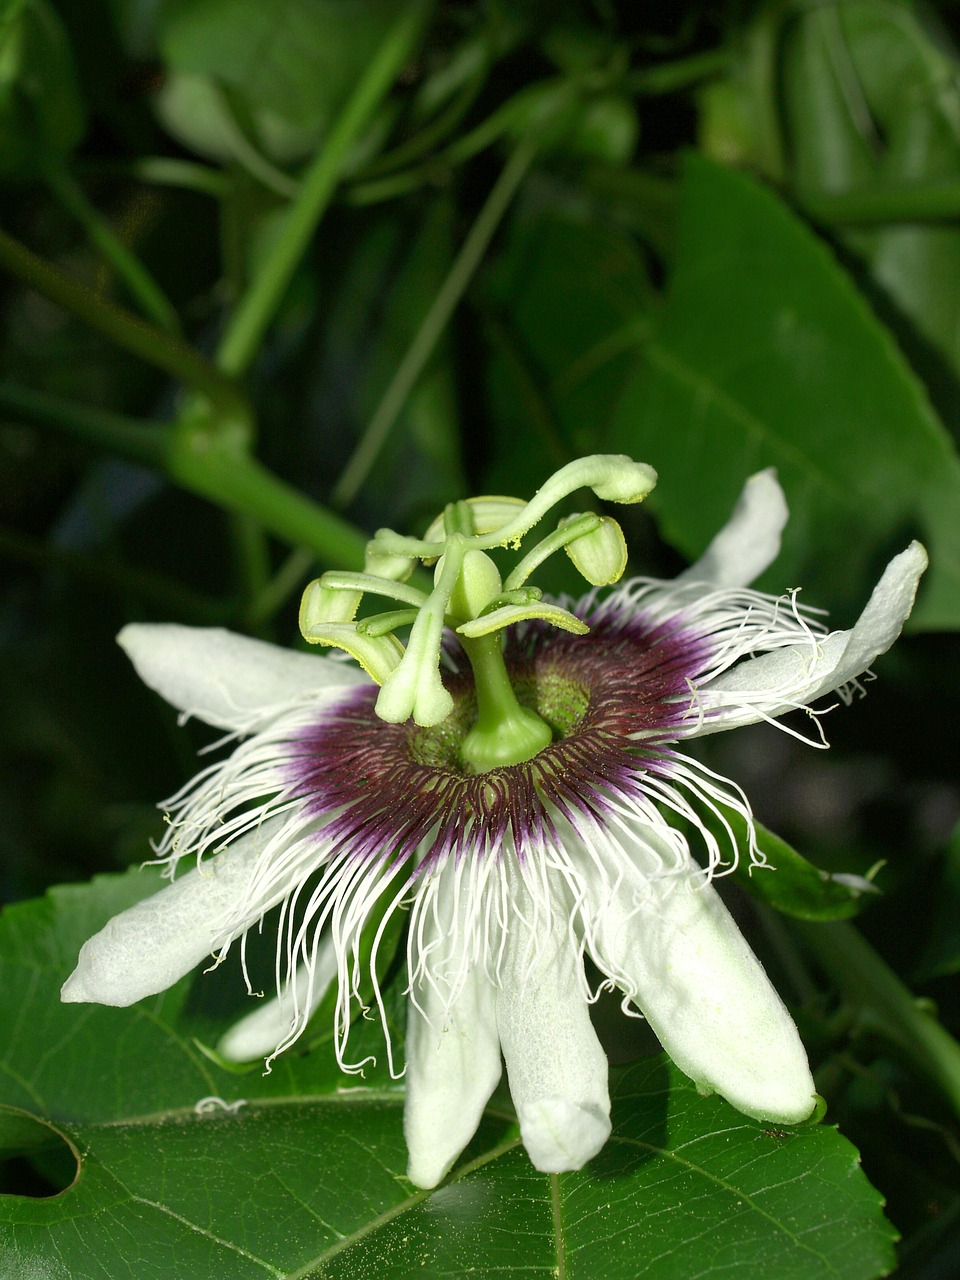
pixel 562 353
pixel 305 1178
pixel 766 354
pixel 41 113
pixel 786 880
pixel 684 1187
pixel 791 884
pixel 871 98
pixel 380 291
pixel 290 64
pixel 422 453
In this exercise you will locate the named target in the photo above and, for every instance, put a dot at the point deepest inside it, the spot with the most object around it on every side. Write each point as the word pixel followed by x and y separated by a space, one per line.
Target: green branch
pixel 874 206
pixel 288 579
pixel 140 284
pixel 139 441
pixel 256 309
pixel 162 350
pixel 682 73
pixel 884 1005
pixel 206 457
pixel 162 171
pixel 215 465
pixel 437 168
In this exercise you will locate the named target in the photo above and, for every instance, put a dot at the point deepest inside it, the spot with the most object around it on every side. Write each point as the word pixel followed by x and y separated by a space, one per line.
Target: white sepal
pixel 671 945
pixel 153 944
pixel 453 1054
pixel 227 680
pixel 258 1033
pixel 776 682
pixel 555 1066
pixel 750 540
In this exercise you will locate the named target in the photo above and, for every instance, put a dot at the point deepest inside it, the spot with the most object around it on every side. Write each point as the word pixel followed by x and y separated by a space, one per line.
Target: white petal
pixel 749 541
pixel 150 946
pixel 258 1033
pixel 453 1054
pixel 671 944
pixel 786 678
pixel 555 1066
pixel 228 680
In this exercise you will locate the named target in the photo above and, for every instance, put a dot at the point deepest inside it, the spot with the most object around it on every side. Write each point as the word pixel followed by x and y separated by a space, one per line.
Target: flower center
pixel 614 700
pixel 553 698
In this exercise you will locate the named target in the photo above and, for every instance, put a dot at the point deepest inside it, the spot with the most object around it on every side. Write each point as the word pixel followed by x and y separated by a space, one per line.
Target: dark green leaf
pixel 766 355
pixel 563 352
pixel 791 884
pixel 422 454
pixel 872 99
pixel 303 1178
pixel 383 292
pixel 291 64
pixel 41 113
pixel 941 952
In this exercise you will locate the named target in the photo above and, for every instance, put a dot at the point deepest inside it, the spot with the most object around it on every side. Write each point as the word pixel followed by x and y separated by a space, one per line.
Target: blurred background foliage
pixel 398 253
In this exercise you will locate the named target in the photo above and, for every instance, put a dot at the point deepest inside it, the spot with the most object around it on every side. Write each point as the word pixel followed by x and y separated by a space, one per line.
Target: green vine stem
pixel 139 283
pixel 882 1003
pixel 215 464
pixel 163 171
pixel 204 456
pixel 251 555
pixel 432 327
pixel 287 580
pixel 682 73
pixel 438 129
pixel 246 154
pixel 256 309
pixel 436 167
pixel 161 349
pixel 137 441
pixel 876 206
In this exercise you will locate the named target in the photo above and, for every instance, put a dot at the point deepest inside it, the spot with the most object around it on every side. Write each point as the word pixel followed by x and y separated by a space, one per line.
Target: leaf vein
pixel 739 1192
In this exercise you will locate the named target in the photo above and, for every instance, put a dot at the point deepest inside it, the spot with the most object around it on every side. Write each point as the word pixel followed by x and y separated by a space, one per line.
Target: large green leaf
pixel 871 96
pixel 787 881
pixel 305 1178
pixel 765 354
pixel 316 1187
